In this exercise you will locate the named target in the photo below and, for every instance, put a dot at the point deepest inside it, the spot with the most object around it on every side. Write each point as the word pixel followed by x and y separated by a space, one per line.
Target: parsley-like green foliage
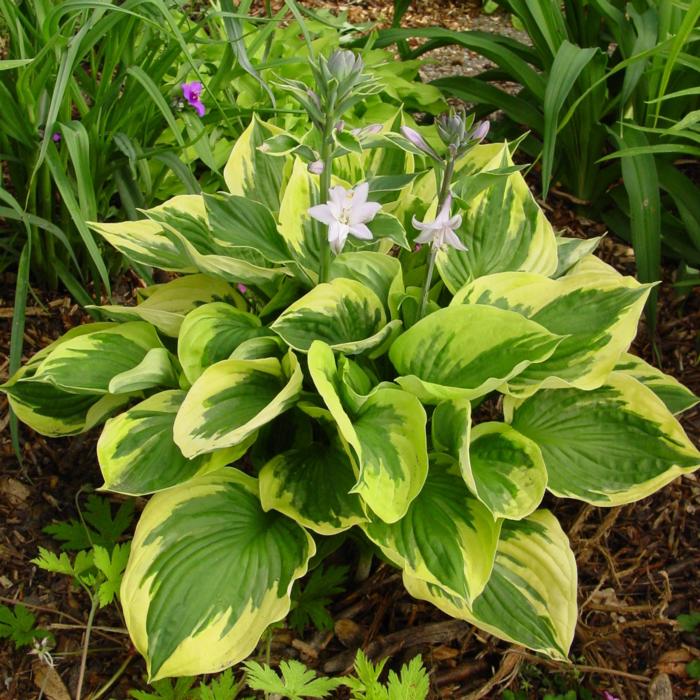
pixel 101 526
pixel 97 569
pixel 310 602
pixel 412 683
pixel 18 625
pixel 224 687
pixel 166 690
pixel 689 622
pixel 296 682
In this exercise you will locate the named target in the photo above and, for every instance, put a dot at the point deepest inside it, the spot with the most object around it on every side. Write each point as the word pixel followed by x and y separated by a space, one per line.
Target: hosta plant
pixel 373 329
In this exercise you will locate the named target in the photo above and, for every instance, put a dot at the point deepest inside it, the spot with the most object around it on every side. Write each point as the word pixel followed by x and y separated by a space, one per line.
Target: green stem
pixel 324 187
pixel 444 192
pixel 86 643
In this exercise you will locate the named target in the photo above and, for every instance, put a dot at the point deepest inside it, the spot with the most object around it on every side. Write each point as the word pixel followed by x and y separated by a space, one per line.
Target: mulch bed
pixel 639 564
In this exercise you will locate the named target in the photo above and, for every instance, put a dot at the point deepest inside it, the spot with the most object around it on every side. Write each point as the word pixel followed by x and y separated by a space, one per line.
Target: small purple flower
pixel 192 93
pixel 606 694
pixel 316 167
pixel 241 288
pixel 56 137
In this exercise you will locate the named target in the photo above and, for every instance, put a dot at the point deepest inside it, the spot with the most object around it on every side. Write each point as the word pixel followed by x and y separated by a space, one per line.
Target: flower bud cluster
pixel 454 129
pixel 340 82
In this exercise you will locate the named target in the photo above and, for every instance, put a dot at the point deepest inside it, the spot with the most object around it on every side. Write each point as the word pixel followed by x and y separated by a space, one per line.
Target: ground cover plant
pixel 341 376
pixel 608 92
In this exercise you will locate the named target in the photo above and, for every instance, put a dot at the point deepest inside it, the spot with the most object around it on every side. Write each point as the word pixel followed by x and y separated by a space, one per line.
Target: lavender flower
pixel 241 288
pixel 56 137
pixel 346 212
pixel 441 231
pixel 192 93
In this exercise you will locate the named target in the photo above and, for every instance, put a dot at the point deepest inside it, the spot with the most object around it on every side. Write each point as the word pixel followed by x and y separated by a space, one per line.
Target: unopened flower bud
pixel 339 126
pixel 343 63
pixel 419 142
pixel 479 134
pixel 315 167
pixel 365 131
pixel 451 128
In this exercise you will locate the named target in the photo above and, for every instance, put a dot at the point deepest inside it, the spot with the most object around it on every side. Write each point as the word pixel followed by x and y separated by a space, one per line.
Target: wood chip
pixel 660 688
pixel 46 678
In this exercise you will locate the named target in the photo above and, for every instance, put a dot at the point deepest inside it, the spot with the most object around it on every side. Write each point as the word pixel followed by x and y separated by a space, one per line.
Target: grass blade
pixel 641 182
pixel 568 64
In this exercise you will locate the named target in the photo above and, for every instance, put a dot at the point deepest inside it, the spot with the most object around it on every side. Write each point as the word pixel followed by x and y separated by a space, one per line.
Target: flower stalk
pixel 324 189
pixel 444 194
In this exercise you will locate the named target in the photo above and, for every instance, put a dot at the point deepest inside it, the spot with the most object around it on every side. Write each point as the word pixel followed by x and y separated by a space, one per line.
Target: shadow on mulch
pixel 638 564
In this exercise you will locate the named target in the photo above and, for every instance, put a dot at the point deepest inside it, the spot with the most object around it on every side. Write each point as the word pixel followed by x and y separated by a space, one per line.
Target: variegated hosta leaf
pixel 598 314
pixel 503 229
pixel 145 242
pixel 86 364
pixel 137 454
pixel 466 351
pixel 613 445
pixel 211 333
pixel 501 467
pixel 165 305
pixel 209 571
pixel 302 235
pixel 52 411
pixel 232 399
pixel 530 598
pixel 571 250
pixel 507 470
pixel 184 219
pixel 176 237
pixel 313 485
pixel 376 271
pixel 386 436
pixel 345 314
pixel 240 222
pixel 678 398
pixel 251 173
pixel 447 537
pixel 157 369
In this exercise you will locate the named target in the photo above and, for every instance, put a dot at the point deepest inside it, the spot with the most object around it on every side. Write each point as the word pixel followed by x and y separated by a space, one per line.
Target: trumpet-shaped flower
pixel 192 93
pixel 346 212
pixel 441 231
